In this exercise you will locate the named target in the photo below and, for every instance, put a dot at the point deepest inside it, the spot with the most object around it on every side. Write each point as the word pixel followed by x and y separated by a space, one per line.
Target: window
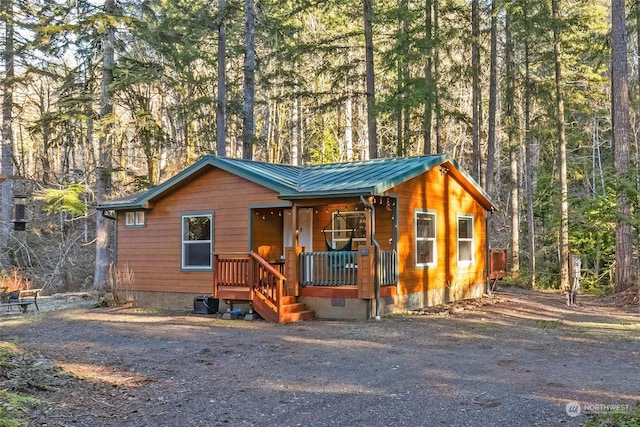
pixel 197 241
pixel 465 239
pixel 135 219
pixel 344 223
pixel 425 228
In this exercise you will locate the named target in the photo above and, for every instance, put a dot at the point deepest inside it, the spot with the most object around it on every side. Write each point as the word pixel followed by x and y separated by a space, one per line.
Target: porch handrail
pixel 268 281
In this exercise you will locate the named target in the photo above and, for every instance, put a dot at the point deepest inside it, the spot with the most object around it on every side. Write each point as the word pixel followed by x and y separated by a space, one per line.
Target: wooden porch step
pixel 289 300
pixel 293 308
pixel 291 312
pixel 296 312
pixel 299 316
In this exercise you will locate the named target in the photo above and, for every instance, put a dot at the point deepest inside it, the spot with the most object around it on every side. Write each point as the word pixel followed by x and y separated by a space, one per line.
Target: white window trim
pixel 135 222
pixel 466 239
pixel 434 238
pixel 183 242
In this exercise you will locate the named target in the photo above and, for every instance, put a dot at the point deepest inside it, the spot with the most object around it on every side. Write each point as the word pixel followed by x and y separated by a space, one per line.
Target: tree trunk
pixel 515 211
pixel 563 241
pixel 296 134
pixel 428 77
pixel 510 124
pixel 531 164
pixel 248 122
pixel 348 127
pixel 404 119
pixel 475 76
pixel 621 140
pixel 221 105
pixel 436 77
pixel 493 100
pixel 370 81
pixel 105 145
pixel 7 123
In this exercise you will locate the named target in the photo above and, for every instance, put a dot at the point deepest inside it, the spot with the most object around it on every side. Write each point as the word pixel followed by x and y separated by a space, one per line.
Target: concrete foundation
pixel 327 308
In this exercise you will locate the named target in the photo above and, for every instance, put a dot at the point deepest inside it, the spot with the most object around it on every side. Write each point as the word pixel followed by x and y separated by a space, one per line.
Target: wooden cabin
pixel 342 241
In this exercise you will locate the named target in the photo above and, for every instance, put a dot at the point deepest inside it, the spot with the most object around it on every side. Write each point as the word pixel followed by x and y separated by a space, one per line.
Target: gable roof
pixel 367 177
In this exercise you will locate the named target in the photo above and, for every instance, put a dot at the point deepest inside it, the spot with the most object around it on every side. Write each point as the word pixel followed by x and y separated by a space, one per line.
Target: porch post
pixel 294 225
pixel 371 219
pixel 291 267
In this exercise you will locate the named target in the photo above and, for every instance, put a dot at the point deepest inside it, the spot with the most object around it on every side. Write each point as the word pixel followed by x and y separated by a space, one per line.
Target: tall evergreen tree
pixel 429 81
pixel 493 99
pixel 105 147
pixel 563 236
pixel 621 139
pixel 475 89
pixel 7 120
pixel 510 123
pixel 248 120
pixel 221 105
pixel 370 80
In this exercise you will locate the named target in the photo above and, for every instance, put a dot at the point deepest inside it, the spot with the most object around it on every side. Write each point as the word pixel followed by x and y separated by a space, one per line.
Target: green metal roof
pixel 363 177
pixel 369 177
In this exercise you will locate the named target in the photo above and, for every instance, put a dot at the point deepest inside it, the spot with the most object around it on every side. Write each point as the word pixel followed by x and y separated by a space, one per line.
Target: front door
pixel 305 225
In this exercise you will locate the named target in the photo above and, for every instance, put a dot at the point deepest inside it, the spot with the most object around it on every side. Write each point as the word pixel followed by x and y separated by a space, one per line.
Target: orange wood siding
pixel 447 201
pixel 384 225
pixel 153 252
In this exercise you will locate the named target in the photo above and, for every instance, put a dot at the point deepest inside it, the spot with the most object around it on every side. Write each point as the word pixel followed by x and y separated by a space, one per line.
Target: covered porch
pixel 343 248
pixel 331 275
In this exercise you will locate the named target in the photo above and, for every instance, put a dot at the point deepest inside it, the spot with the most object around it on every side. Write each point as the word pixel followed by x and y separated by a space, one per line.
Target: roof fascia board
pixel 485 199
pixel 173 181
pixel 208 160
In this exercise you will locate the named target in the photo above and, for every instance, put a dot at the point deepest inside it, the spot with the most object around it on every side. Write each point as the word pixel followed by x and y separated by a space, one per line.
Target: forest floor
pixel 519 358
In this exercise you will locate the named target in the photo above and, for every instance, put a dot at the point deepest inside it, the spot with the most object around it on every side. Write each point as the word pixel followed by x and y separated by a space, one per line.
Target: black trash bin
pixel 205 304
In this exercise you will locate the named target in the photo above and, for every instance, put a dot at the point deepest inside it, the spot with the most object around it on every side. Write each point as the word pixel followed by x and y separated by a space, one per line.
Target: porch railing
pixel 340 268
pixel 230 270
pixel 335 268
pixel 248 271
pixel 388 267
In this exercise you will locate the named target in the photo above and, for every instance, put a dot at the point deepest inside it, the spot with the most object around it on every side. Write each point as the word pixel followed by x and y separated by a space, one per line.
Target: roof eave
pixel 327 194
pixel 178 179
pixel 120 206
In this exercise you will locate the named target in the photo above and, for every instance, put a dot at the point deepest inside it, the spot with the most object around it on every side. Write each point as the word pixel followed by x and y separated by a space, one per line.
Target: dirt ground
pixel 518 359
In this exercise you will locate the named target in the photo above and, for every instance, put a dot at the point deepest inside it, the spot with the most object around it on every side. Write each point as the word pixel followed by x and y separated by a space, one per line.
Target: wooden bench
pixel 23 299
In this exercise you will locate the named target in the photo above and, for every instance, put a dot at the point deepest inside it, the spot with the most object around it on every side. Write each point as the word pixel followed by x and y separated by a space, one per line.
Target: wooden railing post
pixel 366 271
pixel 292 269
pixel 279 291
pixel 215 275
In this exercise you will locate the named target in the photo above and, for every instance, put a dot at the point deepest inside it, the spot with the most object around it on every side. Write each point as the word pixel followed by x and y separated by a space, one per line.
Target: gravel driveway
pixel 515 360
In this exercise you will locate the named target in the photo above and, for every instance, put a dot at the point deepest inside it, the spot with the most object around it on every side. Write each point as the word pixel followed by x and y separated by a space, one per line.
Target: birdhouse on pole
pixel 19 212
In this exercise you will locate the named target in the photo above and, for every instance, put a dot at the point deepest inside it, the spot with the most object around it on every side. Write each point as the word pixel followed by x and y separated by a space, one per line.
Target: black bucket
pixel 205 304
